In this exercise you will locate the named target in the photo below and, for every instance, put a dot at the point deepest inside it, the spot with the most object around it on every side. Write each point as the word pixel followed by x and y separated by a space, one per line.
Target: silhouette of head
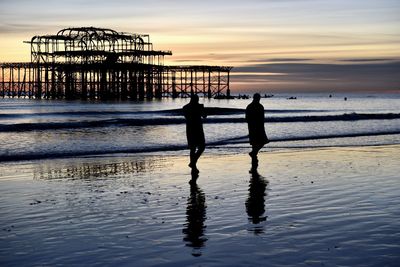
pixel 256 97
pixel 194 98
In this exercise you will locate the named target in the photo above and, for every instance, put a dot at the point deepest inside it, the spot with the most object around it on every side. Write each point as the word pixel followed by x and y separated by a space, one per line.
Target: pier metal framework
pixel 97 63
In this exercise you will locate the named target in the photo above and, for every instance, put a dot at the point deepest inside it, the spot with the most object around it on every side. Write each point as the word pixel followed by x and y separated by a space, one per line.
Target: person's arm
pixel 185 112
pixel 203 112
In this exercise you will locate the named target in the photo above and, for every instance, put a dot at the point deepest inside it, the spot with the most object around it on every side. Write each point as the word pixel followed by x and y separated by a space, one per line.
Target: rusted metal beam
pixel 99 63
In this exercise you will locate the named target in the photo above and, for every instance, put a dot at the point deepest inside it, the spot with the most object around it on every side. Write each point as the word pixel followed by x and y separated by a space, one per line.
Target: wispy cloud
pixel 368 59
pixel 268 60
pixel 308 76
pixel 299 38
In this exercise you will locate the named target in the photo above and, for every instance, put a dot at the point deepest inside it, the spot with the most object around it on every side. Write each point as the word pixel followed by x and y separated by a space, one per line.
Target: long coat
pixel 193 113
pixel 255 122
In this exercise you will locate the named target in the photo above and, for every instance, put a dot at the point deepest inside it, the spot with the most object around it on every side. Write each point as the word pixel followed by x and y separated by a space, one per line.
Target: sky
pixel 273 45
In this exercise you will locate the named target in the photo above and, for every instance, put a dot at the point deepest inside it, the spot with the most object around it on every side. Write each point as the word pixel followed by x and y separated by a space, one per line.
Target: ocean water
pixel 38 129
pixel 106 184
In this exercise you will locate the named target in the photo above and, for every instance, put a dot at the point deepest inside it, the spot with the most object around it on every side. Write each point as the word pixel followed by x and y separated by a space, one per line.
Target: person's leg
pixel 254 152
pixel 193 159
pixel 256 149
pixel 200 150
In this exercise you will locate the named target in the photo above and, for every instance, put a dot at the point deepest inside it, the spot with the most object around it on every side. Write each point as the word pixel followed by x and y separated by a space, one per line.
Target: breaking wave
pixel 124 122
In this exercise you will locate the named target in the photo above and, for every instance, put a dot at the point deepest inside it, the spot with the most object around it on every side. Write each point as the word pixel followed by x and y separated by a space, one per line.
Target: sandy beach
pixel 316 207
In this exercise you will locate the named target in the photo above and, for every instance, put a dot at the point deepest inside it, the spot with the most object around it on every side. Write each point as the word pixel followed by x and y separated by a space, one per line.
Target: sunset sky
pixel 273 45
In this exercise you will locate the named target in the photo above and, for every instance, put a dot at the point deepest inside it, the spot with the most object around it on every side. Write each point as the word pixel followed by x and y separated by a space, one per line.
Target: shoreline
pixel 210 152
pixel 213 147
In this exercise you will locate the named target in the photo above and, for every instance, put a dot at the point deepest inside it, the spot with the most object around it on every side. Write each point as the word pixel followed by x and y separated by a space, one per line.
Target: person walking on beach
pixel 255 122
pixel 194 112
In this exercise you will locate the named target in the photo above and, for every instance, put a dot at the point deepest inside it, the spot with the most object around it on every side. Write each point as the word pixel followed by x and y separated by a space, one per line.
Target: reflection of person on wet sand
pixel 255 204
pixel 195 216
pixel 194 112
pixel 255 122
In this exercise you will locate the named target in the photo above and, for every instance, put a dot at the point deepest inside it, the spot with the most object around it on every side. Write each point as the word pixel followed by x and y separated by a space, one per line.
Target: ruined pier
pixel 96 63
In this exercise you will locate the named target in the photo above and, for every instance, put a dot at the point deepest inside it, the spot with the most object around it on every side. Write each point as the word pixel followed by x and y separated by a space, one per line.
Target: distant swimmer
pixel 194 112
pixel 255 122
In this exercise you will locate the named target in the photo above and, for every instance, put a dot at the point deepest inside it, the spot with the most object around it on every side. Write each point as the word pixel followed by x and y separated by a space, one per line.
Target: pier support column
pixel 174 92
pixel 124 85
pixel 149 85
pixel 209 94
pixel 38 93
pixel 141 84
pixel 83 85
pixel 158 90
pixel 133 85
pixel 53 89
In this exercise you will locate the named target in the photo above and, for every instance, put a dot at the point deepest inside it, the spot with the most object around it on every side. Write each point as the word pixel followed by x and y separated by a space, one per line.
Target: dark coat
pixel 255 122
pixel 193 113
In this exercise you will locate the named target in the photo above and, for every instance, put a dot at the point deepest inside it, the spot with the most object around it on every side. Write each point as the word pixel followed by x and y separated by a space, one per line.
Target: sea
pixel 40 129
pixel 106 184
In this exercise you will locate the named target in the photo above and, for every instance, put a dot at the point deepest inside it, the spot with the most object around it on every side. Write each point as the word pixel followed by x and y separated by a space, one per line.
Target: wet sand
pixel 319 207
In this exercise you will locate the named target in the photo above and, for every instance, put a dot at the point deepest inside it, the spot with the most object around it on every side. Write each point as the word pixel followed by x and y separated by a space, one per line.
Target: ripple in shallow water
pixel 331 207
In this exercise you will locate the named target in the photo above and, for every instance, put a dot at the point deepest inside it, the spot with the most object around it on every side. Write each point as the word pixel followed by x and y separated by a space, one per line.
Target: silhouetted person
pixel 255 204
pixel 255 122
pixel 195 218
pixel 194 112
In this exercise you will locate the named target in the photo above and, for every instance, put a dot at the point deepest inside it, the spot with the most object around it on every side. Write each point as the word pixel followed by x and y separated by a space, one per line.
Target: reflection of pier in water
pixel 91 170
pixel 96 63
